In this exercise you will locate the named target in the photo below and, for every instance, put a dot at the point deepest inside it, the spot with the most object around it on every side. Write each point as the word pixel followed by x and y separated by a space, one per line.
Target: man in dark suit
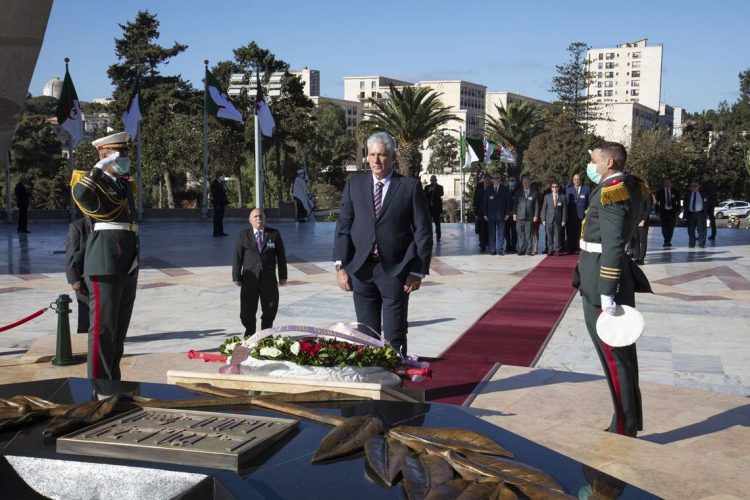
pixel 220 201
pixel 75 251
pixel 511 234
pixel 496 212
pixel 577 197
pixel 554 217
pixel 111 264
pixel 434 193
pixel 605 276
pixel 383 242
pixel 23 200
pixel 666 202
pixel 257 252
pixel 696 205
pixel 481 224
pixel 711 190
pixel 525 211
pixel 639 241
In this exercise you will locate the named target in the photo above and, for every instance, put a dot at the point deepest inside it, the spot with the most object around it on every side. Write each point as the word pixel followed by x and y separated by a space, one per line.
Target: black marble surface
pixel 284 471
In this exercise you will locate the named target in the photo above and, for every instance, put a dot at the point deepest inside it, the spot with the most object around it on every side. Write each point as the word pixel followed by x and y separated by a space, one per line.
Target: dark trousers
pixel 573 230
pixel 23 219
pixel 219 219
pixel 483 232
pixel 620 366
pixel 667 225
pixel 264 287
pixel 712 221
pixel 696 221
pixel 381 303
pixel 436 221
pixel 83 313
pixel 639 243
pixel 496 230
pixel 511 237
pixel 111 301
pixel 553 236
pixel 525 230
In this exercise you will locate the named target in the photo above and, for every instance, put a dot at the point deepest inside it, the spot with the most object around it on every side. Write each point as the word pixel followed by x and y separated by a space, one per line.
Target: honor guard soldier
pixel 606 276
pixel 111 264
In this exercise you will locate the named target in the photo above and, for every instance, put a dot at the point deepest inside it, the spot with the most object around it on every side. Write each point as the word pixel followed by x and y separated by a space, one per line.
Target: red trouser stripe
pixel 95 331
pixel 616 384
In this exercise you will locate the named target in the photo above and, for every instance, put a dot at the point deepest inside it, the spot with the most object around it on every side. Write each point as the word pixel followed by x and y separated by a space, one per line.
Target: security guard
pixel 111 264
pixel 606 276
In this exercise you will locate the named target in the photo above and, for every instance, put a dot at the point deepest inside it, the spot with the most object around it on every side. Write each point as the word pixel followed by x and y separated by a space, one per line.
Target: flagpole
pixel 139 173
pixel 258 146
pixel 461 167
pixel 71 165
pixel 204 207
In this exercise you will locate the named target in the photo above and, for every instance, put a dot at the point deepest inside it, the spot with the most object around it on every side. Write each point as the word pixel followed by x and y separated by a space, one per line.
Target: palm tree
pixel 411 116
pixel 515 126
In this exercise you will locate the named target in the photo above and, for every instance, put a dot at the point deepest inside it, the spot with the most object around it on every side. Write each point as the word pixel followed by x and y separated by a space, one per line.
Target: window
pixel 598 93
pixel 599 84
pixel 373 84
pixel 636 55
pixel 361 95
pixel 610 55
pixel 635 83
pixel 609 65
pixel 373 94
pixel 635 92
pixel 636 64
pixel 636 74
pixel 626 92
pixel 607 93
pixel 601 56
pixel 609 74
pixel 609 84
pixel 361 84
pixel 599 74
pixel 599 66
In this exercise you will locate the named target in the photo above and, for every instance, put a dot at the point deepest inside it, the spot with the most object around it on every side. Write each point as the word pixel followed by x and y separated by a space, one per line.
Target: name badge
pixel 582 196
pixel 530 198
pixel 270 244
pixel 492 197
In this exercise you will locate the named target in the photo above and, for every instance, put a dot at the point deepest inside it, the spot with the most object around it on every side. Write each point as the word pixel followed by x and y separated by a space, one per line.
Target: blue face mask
pixel 592 173
pixel 122 166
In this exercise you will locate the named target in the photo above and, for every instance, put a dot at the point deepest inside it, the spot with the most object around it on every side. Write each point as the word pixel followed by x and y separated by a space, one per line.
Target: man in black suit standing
pixel 696 205
pixel 666 201
pixel 383 242
pixel 75 251
pixel 496 212
pixel 220 201
pixel 256 253
pixel 434 193
pixel 578 196
pixel 511 235
pixel 554 218
pixel 525 212
pixel 481 224
pixel 23 200
pixel 711 190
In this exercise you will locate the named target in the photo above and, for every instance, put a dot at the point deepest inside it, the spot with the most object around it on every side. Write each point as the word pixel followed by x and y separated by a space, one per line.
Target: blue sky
pixel 505 45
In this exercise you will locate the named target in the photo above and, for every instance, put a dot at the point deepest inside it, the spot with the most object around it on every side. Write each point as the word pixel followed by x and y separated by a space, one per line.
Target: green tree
pixel 411 116
pixel 561 150
pixel 330 146
pixel 444 152
pixel 35 150
pixel 656 155
pixel 571 86
pixel 515 126
pixel 41 105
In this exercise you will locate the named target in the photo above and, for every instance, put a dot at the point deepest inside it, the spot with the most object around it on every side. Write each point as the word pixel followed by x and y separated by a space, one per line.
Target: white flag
pixel 132 114
pixel 265 118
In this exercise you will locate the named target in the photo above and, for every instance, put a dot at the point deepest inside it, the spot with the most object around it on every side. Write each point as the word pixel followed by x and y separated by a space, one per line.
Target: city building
pixel 680 117
pixel 104 101
pixel 619 121
pixel 353 111
pixel 53 88
pixel 362 88
pixel 631 72
pixel 503 99
pixel 466 100
pixel 239 81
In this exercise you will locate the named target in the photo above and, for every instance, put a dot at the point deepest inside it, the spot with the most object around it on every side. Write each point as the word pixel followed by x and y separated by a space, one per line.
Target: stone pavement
pixel 694 342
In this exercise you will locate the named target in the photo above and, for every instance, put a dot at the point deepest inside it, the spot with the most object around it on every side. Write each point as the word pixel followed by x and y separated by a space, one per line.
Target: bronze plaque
pixel 206 439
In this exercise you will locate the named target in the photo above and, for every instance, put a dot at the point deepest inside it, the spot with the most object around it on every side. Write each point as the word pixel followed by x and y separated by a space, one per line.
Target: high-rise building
pixel 362 88
pixel 619 121
pixel 465 100
pixel 503 99
pixel 631 72
pixel 239 81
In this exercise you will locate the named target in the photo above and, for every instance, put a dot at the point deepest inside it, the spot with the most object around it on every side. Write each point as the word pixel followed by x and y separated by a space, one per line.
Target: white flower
pixel 271 352
pixel 294 348
pixel 279 341
pixel 230 347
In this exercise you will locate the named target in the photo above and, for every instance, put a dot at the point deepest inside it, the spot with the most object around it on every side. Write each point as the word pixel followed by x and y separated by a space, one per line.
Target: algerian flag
pixel 489 150
pixel 132 114
pixel 69 114
pixel 265 118
pixel 506 155
pixel 217 102
pixel 467 153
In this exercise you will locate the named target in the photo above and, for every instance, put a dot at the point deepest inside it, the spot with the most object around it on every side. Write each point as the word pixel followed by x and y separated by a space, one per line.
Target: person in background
pixel 481 224
pixel 554 215
pixel 434 193
pixel 511 234
pixel 578 196
pixel 667 199
pixel 23 200
pixel 711 190
pixel 75 252
pixel 696 213
pixel 220 201
pixel 639 241
pixel 496 212
pixel 525 212
pixel 257 253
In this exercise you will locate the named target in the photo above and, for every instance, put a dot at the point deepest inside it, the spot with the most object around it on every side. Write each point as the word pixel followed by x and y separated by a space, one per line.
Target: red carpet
pixel 512 332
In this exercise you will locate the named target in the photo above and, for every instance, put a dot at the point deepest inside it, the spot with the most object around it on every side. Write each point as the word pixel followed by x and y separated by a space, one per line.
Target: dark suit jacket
pixel 526 207
pixel 247 258
pixel 554 214
pixel 689 197
pixel 403 232
pixel 23 197
pixel 75 249
pixel 661 200
pixel 577 204
pixel 497 206
pixel 219 193
pixel 434 198
pixel 711 191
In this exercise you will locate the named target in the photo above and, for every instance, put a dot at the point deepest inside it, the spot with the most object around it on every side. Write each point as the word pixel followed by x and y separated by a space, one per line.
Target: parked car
pixel 732 207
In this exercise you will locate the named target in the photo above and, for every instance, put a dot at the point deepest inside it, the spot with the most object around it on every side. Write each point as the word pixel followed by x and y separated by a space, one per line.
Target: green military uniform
pixel 604 269
pixel 111 263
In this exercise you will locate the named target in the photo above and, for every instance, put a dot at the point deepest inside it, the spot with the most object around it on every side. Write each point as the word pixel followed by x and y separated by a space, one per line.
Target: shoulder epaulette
pixel 77 176
pixel 615 191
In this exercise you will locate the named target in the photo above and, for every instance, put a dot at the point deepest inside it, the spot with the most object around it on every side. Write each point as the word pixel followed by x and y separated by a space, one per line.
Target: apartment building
pixel 362 88
pixel 503 99
pixel 239 81
pixel 619 121
pixel 353 110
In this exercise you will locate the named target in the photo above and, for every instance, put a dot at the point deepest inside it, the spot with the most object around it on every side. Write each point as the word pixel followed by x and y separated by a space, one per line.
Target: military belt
pixel 590 247
pixel 115 226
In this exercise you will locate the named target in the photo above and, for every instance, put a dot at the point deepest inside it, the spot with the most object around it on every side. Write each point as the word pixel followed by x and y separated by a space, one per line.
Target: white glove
pixel 608 304
pixel 108 160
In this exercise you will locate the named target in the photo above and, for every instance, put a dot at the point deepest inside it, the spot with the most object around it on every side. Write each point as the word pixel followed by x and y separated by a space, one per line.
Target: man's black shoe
pixel 712 238
pixel 493 253
pixel 223 234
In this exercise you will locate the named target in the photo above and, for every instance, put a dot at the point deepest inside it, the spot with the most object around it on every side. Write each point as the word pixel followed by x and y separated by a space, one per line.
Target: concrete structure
pixel 680 116
pixel 631 72
pixel 53 88
pixel 354 111
pixel 362 88
pixel 239 81
pixel 666 117
pixel 104 101
pixel 502 99
pixel 620 120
